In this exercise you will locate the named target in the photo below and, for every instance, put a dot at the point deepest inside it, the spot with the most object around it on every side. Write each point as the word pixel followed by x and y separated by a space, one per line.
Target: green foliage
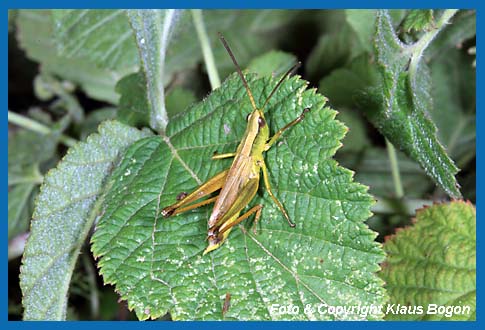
pixel 133 107
pixel 157 264
pixel 64 213
pixel 101 37
pixel 25 157
pixel 373 168
pixel 434 262
pixel 178 100
pixel 418 20
pixel 399 106
pixel 35 35
pixel 272 63
pixel 406 70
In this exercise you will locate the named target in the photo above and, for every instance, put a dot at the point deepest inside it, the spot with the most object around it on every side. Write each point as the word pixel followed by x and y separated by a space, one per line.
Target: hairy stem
pixel 210 64
pixel 34 126
pixel 419 47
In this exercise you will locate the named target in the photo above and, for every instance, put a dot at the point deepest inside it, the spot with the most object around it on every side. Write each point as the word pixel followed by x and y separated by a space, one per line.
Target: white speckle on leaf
pixel 227 129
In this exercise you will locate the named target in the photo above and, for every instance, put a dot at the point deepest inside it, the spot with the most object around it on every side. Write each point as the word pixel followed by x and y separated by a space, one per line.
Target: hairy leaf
pixel 434 262
pixel 64 212
pixel 399 107
pixel 418 19
pixel 35 34
pixel 101 37
pixel 153 30
pixel 157 264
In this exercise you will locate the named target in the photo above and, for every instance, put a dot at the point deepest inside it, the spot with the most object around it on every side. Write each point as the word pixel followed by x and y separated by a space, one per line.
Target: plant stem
pixel 396 176
pixel 402 206
pixel 34 126
pixel 93 288
pixel 210 64
pixel 419 47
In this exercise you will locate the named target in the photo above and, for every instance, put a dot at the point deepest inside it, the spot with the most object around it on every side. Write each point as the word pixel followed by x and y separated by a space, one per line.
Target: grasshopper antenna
pixel 289 72
pixel 226 46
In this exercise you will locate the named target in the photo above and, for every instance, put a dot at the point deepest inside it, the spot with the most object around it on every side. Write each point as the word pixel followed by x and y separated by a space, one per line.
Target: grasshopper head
pixel 257 123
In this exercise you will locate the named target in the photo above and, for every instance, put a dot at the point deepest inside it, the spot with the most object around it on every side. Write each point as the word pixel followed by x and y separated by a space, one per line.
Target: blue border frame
pixel 302 4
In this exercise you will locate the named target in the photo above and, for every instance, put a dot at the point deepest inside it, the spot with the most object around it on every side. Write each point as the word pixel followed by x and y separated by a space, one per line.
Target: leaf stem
pixel 396 176
pixel 93 288
pixel 34 126
pixel 419 47
pixel 214 79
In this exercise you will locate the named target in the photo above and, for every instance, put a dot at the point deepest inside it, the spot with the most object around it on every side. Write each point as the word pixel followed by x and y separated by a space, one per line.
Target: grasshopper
pixel 238 184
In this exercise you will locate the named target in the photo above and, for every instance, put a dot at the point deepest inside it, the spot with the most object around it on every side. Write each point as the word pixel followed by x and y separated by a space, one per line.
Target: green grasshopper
pixel 238 184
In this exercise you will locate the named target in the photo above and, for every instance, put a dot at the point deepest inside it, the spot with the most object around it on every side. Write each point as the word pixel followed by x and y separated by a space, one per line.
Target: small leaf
pixel 134 109
pixel 178 100
pixel 64 212
pixel 273 63
pixel 418 20
pixel 19 212
pixel 157 264
pixel 434 262
pixel 343 86
pixel 399 107
pixel 362 23
pixel 332 51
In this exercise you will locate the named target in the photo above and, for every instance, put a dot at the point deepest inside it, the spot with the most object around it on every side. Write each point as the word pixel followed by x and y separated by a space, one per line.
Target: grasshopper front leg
pixel 281 130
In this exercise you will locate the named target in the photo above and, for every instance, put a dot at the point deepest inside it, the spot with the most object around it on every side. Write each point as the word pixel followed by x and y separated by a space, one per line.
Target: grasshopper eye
pixel 247 117
pixel 261 122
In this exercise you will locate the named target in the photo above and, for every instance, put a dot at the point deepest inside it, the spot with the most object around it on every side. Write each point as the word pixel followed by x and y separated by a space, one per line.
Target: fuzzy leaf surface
pixel 400 106
pixel 35 32
pixel 156 263
pixel 434 262
pixel 64 212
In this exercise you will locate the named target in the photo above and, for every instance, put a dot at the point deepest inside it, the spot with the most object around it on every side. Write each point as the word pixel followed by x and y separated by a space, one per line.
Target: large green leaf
pixel 454 103
pixel 102 37
pixel 64 212
pixel 35 32
pixel 399 107
pixel 433 263
pixel 157 264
